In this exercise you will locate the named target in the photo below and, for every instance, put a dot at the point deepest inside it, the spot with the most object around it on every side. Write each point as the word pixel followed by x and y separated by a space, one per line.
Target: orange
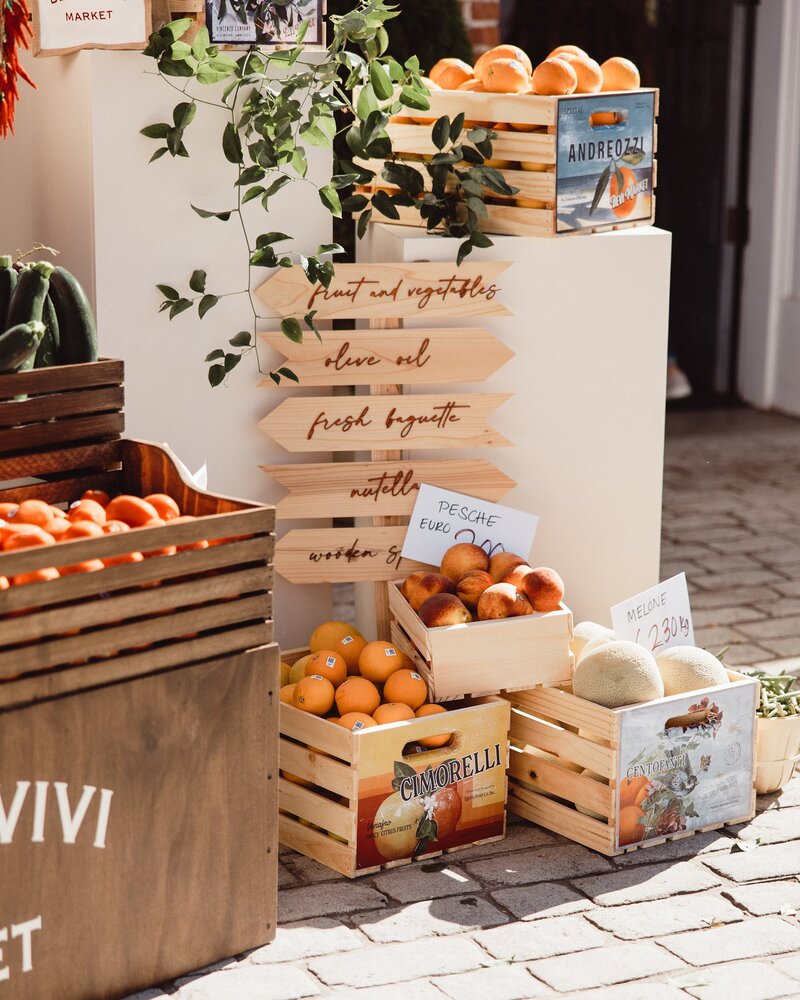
pixel 379 660
pixel 115 527
pixel 58 513
pixel 392 712
pixel 201 543
pixel 432 741
pixel 590 76
pixel 620 73
pixel 99 496
pixel 473 85
pixel 350 649
pixel 628 203
pixel 572 50
pixel 87 510
pixel 502 52
pixel 313 694
pixel 629 788
pixel 132 510
pixel 4 584
pixel 59 526
pixel 529 203
pixel 357 694
pixel 603 118
pixel 286 693
pixel 87 566
pixel 167 509
pixel 167 550
pixel 326 635
pixel 450 73
pixel 82 529
pixel 122 560
pixel 28 539
pixel 641 795
pixel 8 509
pixel 356 721
pixel 34 512
pixel 554 77
pixel 631 829
pixel 406 686
pixel 327 663
pixel 35 576
pixel 506 76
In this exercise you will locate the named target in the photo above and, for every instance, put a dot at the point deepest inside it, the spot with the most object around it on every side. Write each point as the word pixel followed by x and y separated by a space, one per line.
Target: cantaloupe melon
pixel 584 633
pixel 616 674
pixel 593 644
pixel 689 668
pixel 595 777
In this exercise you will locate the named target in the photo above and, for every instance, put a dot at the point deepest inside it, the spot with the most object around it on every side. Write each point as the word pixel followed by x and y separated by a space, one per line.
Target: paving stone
pixel 786 798
pixel 285 877
pixel 521 836
pixel 431 918
pixel 788 665
pixel 718 636
pixel 311 871
pixel 685 847
pixel 559 862
pixel 324 900
pixel 307 939
pixel 770 862
pixel 524 941
pixel 755 938
pixel 545 899
pixel 772 827
pixel 643 990
pixel 748 542
pixel 790 965
pixel 428 880
pixel 225 963
pixel 754 980
pixel 789 589
pixel 745 655
pixel 731 596
pixel 279 982
pixel 726 564
pixel 397 963
pixel 498 982
pixel 767 898
pixel 148 995
pixel 781 607
pixel 738 578
pixel 664 916
pixel 703 617
pixel 773 628
pixel 605 966
pixel 783 648
pixel 637 885
pixel 418 990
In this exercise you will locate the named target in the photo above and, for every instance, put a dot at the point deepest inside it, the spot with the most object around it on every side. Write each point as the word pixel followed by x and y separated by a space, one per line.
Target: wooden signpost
pixel 385 422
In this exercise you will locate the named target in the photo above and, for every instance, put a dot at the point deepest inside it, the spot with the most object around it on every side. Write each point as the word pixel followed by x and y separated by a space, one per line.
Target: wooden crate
pixel 637 750
pixel 139 835
pixel 559 195
pixel 164 611
pixel 337 780
pixel 484 657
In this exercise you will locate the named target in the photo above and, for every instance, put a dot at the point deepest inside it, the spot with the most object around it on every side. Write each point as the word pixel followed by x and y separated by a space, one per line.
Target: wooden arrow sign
pixel 398 291
pixel 343 555
pixel 379 489
pixel 374 423
pixel 377 357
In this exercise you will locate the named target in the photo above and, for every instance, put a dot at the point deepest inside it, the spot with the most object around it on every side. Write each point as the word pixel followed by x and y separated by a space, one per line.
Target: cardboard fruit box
pixel 361 802
pixel 480 658
pixel 555 151
pixel 659 771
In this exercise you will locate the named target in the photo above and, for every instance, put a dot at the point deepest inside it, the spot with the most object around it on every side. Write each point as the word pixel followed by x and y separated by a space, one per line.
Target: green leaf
pixel 177 28
pixel 174 67
pixel 215 354
pixel 178 307
pixel 276 185
pixel 464 251
pixel 180 50
pixel 250 174
pixel 414 98
pixel 457 126
pixel 216 375
pixel 329 248
pixel 367 102
pixel 168 292
pixel 222 216
pixel 158 154
pixel 158 131
pixel 231 361
pixel 601 186
pixel 207 302
pixel 200 44
pixel 477 135
pixel 620 179
pixel 382 202
pixel 275 378
pixel 405 177
pixel 197 282
pixel 251 193
pixel 329 197
pixel 242 339
pixel 299 161
pixel 267 239
pixel 354 203
pixel 440 133
pixel 363 222
pixel 290 327
pixel 232 144
pixel 288 373
pixel 183 114
pixel 381 83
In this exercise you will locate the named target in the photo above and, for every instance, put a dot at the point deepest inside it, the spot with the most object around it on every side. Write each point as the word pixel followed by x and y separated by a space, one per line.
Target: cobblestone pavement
pixel 712 917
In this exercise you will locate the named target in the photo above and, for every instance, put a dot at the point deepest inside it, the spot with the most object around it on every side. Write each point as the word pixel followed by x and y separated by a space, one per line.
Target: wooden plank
pixel 537 147
pixel 375 357
pixel 102 425
pixel 36 409
pixel 318 768
pixel 528 109
pixel 561 819
pixel 547 775
pixel 343 555
pixel 562 705
pixel 566 745
pixel 62 377
pixel 505 220
pixel 340 857
pixel 540 185
pixel 317 809
pixel 72 458
pixel 366 489
pixel 402 290
pixel 345 423
pixel 62 491
pixel 324 736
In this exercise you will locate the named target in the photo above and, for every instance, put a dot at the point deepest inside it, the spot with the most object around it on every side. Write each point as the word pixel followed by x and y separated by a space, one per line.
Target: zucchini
pixel 48 352
pixel 75 319
pixel 18 346
pixel 8 282
pixel 27 302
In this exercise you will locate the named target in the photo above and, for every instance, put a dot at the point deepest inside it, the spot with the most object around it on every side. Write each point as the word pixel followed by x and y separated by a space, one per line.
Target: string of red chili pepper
pixel 15 33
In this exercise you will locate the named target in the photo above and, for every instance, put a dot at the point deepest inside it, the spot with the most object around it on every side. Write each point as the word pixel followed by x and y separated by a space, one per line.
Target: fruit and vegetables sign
pixel 686 762
pixel 604 160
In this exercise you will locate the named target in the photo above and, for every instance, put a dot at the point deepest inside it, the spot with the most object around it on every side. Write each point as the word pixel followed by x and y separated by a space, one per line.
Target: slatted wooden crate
pixel 139 835
pixel 335 784
pixel 158 613
pixel 484 657
pixel 551 198
pixel 683 764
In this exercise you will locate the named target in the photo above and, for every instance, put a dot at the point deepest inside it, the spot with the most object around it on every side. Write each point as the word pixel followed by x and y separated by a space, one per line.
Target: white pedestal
pixel 589 378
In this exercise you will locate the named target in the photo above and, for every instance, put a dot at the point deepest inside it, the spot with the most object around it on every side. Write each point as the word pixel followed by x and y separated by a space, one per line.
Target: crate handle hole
pixel 415 750
pixel 608 119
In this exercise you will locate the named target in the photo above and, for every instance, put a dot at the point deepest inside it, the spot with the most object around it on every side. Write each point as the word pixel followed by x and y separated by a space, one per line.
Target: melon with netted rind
pixel 584 633
pixel 616 674
pixel 689 668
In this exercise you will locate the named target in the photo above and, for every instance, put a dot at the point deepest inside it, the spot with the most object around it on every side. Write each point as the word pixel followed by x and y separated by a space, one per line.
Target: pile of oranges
pixel 357 684
pixel 37 523
pixel 507 69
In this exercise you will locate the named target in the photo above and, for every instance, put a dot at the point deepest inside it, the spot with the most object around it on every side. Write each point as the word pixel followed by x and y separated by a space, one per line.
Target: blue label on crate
pixel 604 174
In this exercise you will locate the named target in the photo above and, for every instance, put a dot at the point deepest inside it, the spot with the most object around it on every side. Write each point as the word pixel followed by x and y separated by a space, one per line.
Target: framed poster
pixel 265 22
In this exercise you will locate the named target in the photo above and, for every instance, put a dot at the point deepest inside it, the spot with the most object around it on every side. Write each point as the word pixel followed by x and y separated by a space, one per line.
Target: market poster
pixel 265 22
pixel 64 26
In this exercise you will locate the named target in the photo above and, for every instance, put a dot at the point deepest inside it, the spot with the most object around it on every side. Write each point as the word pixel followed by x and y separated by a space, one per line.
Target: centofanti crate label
pixel 685 762
pixel 604 171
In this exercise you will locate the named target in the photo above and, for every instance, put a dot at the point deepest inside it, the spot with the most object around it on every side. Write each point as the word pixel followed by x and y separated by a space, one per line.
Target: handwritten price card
pixel 657 618
pixel 442 518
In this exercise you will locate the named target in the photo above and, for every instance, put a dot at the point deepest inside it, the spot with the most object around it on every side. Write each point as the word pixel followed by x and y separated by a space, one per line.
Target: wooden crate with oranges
pixel 366 781
pixel 620 779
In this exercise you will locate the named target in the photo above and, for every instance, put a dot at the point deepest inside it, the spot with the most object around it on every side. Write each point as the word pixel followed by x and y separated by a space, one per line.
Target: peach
pixel 503 600
pixel 517 575
pixel 444 609
pixel 472 585
pixel 544 588
pixel 460 559
pixel 418 587
pixel 502 563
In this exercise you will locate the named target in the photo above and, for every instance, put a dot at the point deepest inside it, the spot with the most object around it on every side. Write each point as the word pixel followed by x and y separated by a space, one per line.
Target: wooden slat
pixel 529 183
pixel 69 429
pixel 62 491
pixel 568 746
pixel 562 705
pixel 528 109
pixel 66 460
pixel 561 819
pixel 322 770
pixel 340 857
pixel 36 409
pixel 537 147
pixel 62 377
pixel 304 803
pixel 545 774
pixel 322 734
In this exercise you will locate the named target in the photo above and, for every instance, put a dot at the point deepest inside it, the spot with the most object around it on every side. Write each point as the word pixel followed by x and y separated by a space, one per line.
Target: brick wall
pixel 482 18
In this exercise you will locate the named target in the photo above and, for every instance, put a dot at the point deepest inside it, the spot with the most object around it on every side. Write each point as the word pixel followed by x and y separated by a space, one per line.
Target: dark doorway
pixel 700 55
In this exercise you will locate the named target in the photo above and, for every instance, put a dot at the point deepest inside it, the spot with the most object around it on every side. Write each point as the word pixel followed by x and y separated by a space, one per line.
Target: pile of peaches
pixel 472 586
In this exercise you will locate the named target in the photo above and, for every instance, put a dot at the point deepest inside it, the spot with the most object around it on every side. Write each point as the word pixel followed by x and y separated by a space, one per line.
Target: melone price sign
pixel 657 618
pixel 442 518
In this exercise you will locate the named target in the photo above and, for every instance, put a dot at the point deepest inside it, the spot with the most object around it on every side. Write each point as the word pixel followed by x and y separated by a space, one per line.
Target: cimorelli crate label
pixel 685 762
pixel 378 489
pixel 396 291
pixel 357 423
pixel 605 160
pixel 83 815
pixel 343 555
pixel 377 357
